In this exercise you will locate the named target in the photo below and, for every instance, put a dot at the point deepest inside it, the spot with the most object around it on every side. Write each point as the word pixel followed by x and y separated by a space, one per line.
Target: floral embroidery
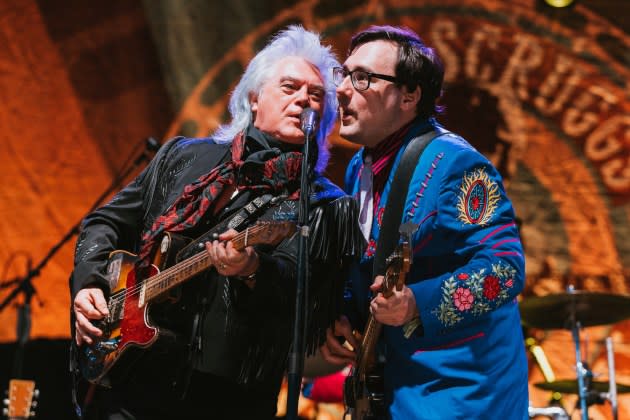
pixel 491 287
pixel 475 293
pixel 370 250
pixel 478 198
pixel 463 299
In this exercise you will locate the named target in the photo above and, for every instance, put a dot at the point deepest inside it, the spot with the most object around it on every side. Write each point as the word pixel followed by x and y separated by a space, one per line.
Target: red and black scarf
pixel 383 157
pixel 269 170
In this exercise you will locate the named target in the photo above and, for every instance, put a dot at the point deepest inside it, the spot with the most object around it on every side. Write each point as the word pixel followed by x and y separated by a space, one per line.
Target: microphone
pixel 308 121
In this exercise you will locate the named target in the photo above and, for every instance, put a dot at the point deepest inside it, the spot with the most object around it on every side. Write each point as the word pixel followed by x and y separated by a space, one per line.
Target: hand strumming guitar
pixel 89 304
pixel 333 350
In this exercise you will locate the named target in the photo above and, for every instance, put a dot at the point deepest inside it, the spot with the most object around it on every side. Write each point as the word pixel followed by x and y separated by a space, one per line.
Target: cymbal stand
pixel 611 395
pixel 579 364
pixel 553 412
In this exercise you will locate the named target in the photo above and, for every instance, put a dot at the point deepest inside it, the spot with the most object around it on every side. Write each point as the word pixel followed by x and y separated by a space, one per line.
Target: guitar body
pixel 123 335
pixel 129 329
pixel 365 394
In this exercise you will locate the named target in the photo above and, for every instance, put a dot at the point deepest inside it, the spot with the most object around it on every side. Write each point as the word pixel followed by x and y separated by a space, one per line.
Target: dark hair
pixel 418 64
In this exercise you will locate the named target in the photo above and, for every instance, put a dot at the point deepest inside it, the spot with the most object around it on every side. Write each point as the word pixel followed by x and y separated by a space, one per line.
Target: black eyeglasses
pixel 360 78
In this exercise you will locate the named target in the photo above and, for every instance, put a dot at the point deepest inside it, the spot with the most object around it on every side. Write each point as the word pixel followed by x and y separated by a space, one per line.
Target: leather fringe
pixel 336 243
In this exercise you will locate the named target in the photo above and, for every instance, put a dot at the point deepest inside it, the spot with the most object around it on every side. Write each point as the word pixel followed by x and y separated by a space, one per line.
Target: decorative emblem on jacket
pixel 474 293
pixel 478 198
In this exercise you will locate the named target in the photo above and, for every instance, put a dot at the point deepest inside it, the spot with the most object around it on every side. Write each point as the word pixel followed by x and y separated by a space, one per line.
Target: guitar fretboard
pixel 175 275
pixel 373 328
pixel 262 232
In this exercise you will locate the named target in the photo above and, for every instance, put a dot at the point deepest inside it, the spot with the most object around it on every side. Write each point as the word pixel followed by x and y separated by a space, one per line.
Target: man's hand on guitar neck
pixel 334 350
pixel 396 310
pixel 89 304
pixel 230 262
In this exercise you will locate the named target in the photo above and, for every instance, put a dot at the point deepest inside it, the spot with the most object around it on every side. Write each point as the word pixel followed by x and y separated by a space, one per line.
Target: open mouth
pixel 346 114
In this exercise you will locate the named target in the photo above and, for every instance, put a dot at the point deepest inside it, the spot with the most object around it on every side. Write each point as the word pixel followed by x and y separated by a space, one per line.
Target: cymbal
pixel 563 309
pixel 570 386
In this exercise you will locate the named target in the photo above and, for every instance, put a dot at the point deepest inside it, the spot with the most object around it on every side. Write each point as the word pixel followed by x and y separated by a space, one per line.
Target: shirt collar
pixel 257 140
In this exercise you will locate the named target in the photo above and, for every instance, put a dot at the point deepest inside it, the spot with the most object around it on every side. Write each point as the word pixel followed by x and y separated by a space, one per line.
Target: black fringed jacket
pixel 243 334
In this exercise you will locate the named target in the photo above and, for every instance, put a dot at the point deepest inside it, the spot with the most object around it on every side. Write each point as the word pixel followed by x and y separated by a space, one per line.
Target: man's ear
pixel 410 99
pixel 253 101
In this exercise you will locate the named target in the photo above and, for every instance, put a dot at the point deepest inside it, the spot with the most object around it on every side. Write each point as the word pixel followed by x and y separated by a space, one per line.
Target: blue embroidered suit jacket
pixel 468 267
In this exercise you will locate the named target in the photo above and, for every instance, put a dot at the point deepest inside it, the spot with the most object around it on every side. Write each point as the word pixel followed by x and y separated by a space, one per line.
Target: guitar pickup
pixel 107 346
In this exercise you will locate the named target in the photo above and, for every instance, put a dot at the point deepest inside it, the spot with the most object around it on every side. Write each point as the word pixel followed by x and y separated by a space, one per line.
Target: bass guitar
pixel 364 394
pixel 129 327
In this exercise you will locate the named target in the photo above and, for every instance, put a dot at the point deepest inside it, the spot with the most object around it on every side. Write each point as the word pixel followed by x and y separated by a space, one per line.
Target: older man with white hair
pixel 235 317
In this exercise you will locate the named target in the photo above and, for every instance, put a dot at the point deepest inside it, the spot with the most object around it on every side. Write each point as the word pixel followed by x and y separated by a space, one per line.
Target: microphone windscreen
pixel 308 119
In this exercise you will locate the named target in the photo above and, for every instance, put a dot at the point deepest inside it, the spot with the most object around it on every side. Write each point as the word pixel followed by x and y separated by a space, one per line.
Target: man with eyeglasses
pixel 452 344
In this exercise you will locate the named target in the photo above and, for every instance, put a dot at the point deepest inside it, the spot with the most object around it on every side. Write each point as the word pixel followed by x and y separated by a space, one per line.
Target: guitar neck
pixel 184 270
pixel 396 270
pixel 366 356
pixel 175 275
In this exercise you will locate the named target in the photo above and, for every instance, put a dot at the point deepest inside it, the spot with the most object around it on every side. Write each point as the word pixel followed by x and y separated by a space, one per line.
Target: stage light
pixel 559 3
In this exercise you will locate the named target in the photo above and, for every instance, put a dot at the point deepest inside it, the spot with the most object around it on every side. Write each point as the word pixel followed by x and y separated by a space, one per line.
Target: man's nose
pixel 303 98
pixel 345 88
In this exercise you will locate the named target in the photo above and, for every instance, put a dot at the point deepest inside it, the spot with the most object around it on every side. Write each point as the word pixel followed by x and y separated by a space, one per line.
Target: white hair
pixel 294 41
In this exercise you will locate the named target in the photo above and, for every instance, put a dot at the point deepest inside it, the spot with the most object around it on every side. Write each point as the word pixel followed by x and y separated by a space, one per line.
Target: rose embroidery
pixel 491 287
pixel 463 299
pixel 483 293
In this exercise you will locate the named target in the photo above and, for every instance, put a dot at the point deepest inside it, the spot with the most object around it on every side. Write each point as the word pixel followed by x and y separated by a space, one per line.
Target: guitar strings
pixel 122 295
pixel 372 324
pixel 179 267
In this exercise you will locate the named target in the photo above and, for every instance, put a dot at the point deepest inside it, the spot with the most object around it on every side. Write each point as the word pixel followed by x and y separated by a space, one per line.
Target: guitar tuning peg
pixel 5 401
pixel 34 404
pixel 36 393
pixel 31 414
pixel 5 412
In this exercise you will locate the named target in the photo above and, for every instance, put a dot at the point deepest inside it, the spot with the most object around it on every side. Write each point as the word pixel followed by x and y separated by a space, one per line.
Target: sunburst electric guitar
pixel 364 388
pixel 128 325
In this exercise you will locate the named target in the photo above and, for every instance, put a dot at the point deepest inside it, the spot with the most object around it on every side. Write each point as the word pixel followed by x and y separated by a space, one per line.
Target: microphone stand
pixel 296 356
pixel 25 284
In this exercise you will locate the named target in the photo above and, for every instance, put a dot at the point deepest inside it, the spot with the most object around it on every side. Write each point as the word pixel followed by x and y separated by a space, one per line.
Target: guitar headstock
pixel 399 261
pixel 398 264
pixel 21 400
pixel 271 233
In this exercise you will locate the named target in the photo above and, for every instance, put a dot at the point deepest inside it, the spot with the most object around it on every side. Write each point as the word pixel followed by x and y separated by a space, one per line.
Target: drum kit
pixel 572 311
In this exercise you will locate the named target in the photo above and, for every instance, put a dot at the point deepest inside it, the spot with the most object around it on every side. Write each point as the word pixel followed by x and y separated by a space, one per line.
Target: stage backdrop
pixel 543 93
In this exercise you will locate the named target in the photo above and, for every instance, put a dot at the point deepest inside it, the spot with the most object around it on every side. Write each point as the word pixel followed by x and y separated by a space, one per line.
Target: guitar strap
pixel 392 217
pixel 238 222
